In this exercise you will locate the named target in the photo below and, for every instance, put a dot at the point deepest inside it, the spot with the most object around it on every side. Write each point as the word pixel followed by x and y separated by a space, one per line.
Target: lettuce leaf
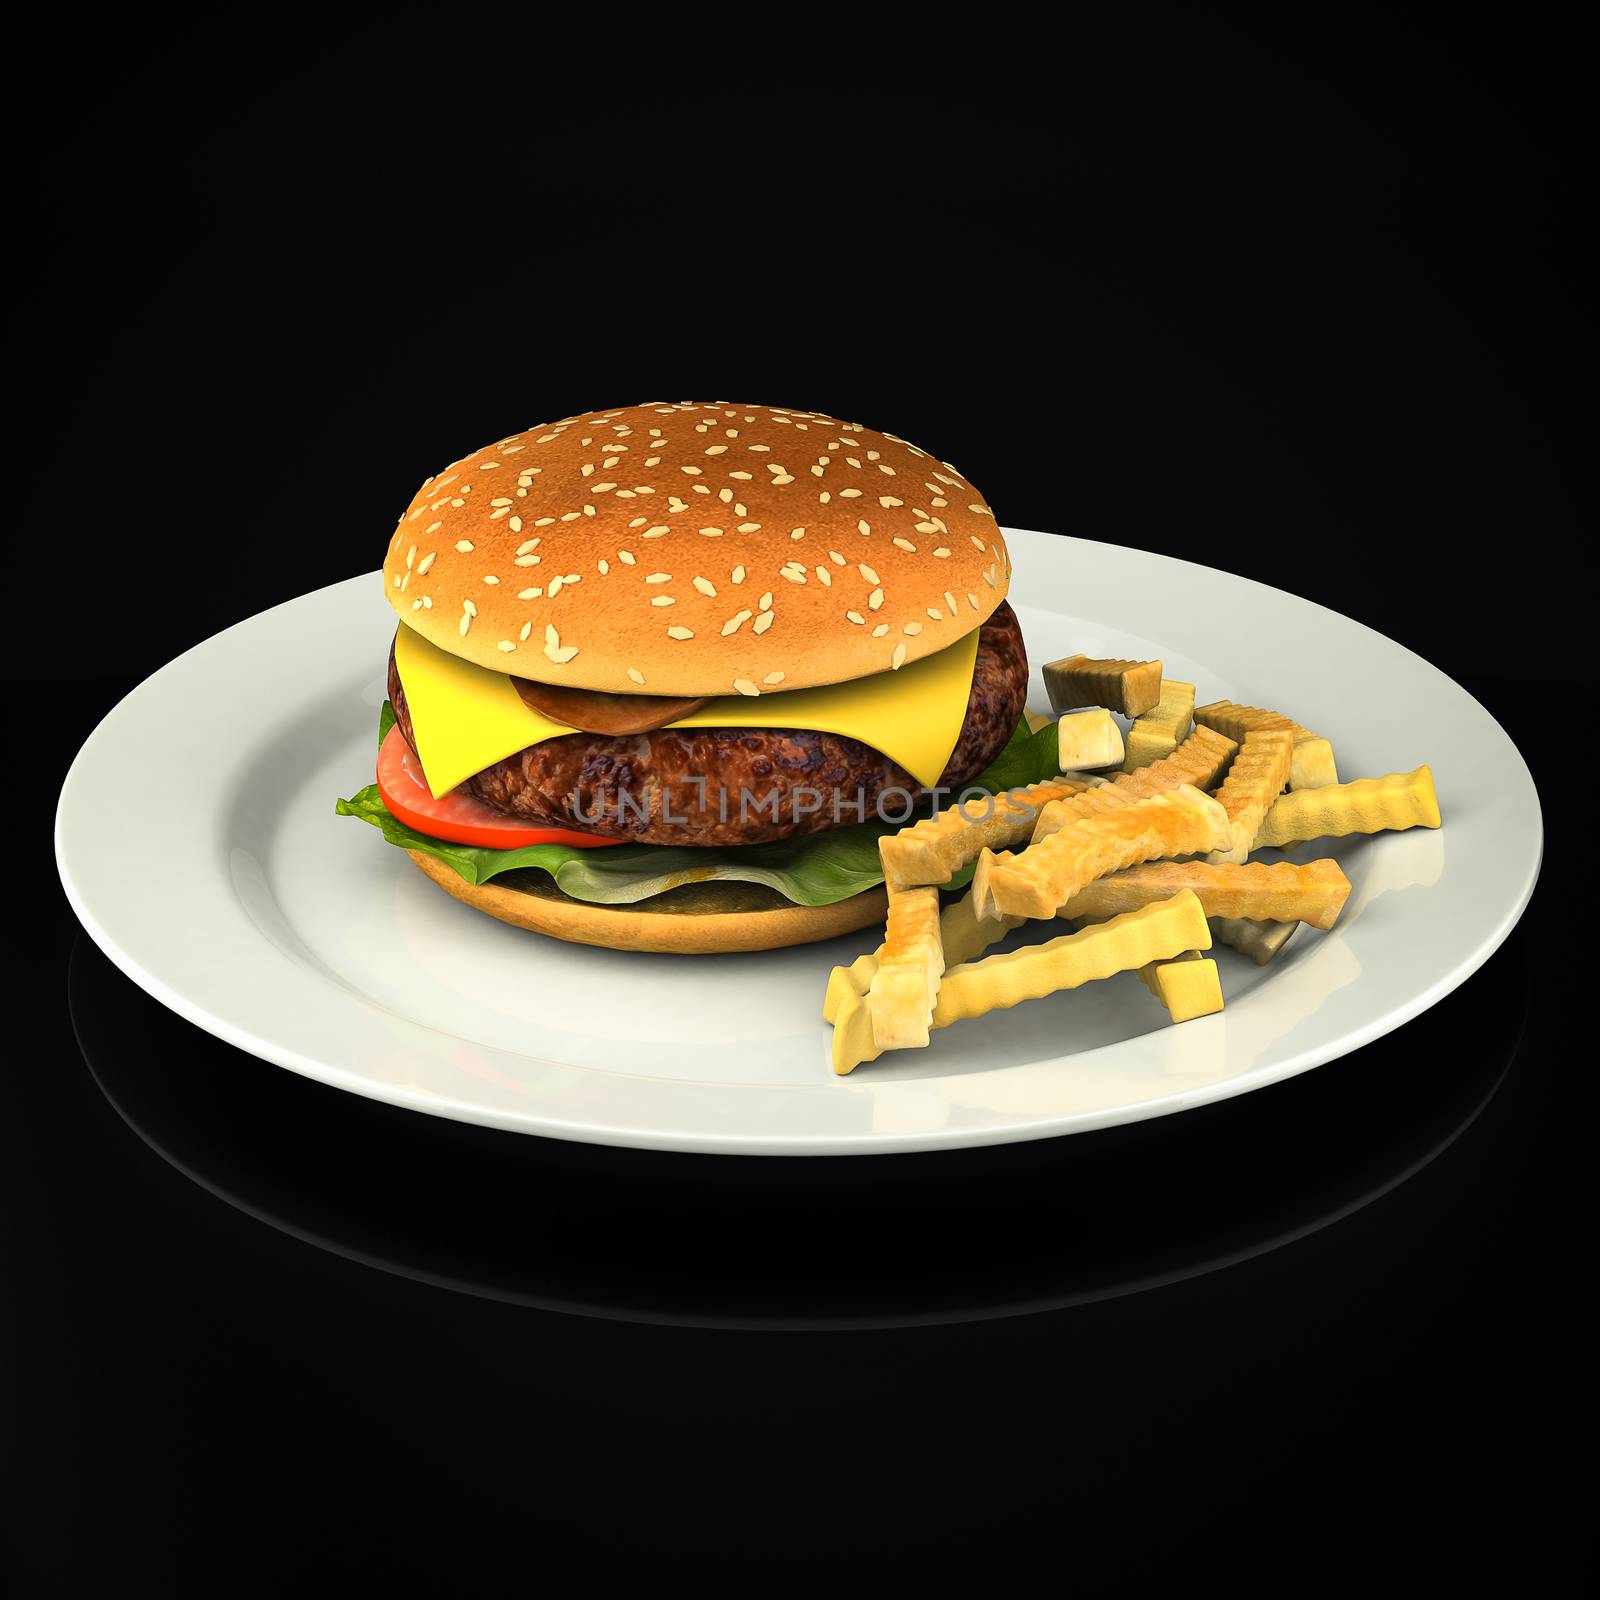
pixel 1026 758
pixel 814 871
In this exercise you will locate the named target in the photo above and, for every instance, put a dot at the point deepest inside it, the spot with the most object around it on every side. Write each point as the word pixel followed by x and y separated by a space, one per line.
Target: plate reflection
pixel 792 1243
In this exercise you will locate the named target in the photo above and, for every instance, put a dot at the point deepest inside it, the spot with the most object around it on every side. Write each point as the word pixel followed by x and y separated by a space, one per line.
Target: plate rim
pixel 1002 1130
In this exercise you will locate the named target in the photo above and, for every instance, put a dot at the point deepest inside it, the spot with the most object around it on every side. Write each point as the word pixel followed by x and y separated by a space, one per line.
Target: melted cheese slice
pixel 465 717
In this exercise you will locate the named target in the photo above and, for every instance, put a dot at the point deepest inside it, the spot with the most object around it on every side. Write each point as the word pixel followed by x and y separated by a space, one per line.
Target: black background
pixel 1300 300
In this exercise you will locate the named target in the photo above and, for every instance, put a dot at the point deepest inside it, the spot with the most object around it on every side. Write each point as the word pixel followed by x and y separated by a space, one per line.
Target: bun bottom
pixel 698 919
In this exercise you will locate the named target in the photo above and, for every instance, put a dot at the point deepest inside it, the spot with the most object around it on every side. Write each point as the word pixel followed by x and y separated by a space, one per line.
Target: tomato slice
pixel 459 817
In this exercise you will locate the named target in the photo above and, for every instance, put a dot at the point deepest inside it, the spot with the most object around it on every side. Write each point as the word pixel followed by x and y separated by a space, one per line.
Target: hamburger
pixel 663 673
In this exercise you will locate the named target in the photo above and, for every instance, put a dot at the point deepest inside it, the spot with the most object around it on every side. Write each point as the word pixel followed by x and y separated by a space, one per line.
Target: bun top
pixel 696 550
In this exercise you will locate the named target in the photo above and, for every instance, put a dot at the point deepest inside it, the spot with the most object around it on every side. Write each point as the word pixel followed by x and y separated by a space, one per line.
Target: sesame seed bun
pixel 697 919
pixel 696 550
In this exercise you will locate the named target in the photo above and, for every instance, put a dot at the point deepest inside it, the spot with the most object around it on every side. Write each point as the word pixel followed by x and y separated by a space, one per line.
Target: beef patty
pixel 724 786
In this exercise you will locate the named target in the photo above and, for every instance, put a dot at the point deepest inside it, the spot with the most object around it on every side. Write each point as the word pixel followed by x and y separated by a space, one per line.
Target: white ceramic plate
pixel 222 882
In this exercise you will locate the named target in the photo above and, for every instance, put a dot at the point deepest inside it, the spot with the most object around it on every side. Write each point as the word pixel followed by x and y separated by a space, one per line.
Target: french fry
pixel 900 999
pixel 1187 985
pixel 1088 739
pixel 1369 805
pixel 1154 933
pixel 1254 781
pixel 932 850
pixel 963 936
pixel 1162 728
pixel 1261 941
pixel 1283 892
pixel 855 979
pixel 1313 764
pixel 1129 687
pixel 1050 872
pixel 1062 813
pixel 1201 759
pixel 1037 720
pixel 975 988
pixel 983 903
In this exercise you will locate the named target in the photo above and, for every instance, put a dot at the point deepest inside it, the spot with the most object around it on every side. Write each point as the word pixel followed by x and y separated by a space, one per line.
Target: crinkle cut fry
pixel 1261 941
pixel 932 850
pixel 1313 763
pixel 1049 873
pixel 1281 892
pixel 1162 728
pixel 1127 687
pixel 963 936
pixel 902 991
pixel 1201 759
pixel 1187 985
pixel 1153 933
pixel 1369 805
pixel 1254 781
pixel 1088 739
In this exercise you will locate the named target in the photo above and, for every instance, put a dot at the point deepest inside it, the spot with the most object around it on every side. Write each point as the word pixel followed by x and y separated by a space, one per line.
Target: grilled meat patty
pixel 728 786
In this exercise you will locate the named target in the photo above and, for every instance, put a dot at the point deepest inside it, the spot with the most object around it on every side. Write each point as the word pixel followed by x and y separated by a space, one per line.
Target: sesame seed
pixel 527 545
pixel 864 527
pixel 694 472
pixel 680 633
pixel 712 533
pixel 867 574
pixel 765 602
pixel 529 594
pixel 950 603
pixel 737 575
pixel 656 532
pixel 875 599
pixel 490 578
pixel 505 644
pixel 906 544
pixel 880 630
pixel 626 557
pixel 526 561
pixel 470 609
pixel 716 449
pixel 658 577
pixel 425 563
pixel 898 659
pixel 464 546
pixel 855 616
pixel 705 586
pixel 824 577
pixel 942 551
pixel 972 600
pixel 635 674
pixel 527 628
pixel 791 574
pixel 773 677
pixel 663 600
pixel 744 686
pixel 762 623
pixel 977 541
pixel 911 629
pixel 733 624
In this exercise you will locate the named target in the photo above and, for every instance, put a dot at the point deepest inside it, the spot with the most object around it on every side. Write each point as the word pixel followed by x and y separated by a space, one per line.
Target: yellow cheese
pixel 465 718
